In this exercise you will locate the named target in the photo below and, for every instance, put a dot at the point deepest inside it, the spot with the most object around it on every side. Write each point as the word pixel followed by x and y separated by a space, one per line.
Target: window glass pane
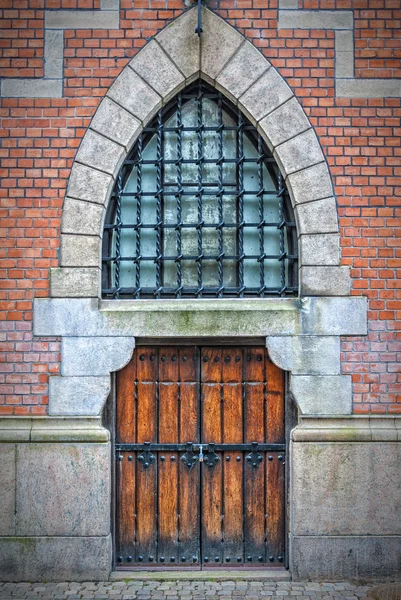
pixel 199 210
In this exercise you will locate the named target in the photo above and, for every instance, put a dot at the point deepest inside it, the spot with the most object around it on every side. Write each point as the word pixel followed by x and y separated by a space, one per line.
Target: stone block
pixel 55 558
pixel 180 43
pixel 79 251
pixel 89 184
pixel 313 183
pixel 341 558
pixel 309 355
pixel 325 281
pixel 218 44
pixel 269 92
pixel 68 429
pixel 244 68
pixel 368 88
pixel 80 282
pixel 310 19
pixel 334 316
pixel 32 88
pixel 79 502
pixel 109 4
pixel 101 153
pixel 292 4
pixel 95 356
pixel 327 483
pixel 344 64
pixel 54 52
pixel 78 19
pixel 134 94
pixel 82 218
pixel 319 249
pixel 7 489
pixel 344 41
pixel 298 153
pixel 156 68
pixel 319 216
pixel 285 122
pixel 78 395
pixel 322 394
pixel 116 123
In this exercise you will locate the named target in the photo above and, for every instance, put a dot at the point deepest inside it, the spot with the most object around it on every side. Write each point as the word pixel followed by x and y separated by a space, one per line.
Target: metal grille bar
pixel 156 197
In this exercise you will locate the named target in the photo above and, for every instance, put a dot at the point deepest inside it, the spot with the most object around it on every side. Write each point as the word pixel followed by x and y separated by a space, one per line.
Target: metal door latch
pixel 190 458
pixel 211 458
pixel 254 457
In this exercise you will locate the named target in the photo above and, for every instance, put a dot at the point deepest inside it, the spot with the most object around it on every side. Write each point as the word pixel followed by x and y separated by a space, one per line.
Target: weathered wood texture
pixel 231 513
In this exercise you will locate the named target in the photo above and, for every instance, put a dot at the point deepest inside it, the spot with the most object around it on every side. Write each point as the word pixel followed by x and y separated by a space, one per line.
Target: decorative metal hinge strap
pixel 211 458
pixel 254 457
pixel 146 457
pixel 189 458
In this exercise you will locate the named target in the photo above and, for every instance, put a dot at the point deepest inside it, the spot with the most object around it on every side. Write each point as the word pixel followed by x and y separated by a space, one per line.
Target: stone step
pixel 206 575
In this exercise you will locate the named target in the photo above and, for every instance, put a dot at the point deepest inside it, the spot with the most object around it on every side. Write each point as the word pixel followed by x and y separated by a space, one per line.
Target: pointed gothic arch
pixel 168 63
pixel 302 335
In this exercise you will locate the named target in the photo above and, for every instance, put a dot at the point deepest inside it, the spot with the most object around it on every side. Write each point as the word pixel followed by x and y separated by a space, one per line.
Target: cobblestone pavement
pixel 183 590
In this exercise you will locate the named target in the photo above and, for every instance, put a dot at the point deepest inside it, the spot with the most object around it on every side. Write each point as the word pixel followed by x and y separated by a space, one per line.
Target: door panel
pixel 180 500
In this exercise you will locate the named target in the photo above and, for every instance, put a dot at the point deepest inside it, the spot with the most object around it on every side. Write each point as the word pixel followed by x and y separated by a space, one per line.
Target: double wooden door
pixel 200 458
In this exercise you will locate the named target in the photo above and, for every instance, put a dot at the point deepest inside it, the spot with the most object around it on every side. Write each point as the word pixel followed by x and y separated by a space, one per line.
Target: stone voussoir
pixel 319 216
pixel 311 183
pixel 70 282
pixel 298 153
pixel 319 249
pixel 325 281
pixel 181 45
pixel 266 94
pixel 79 250
pixel 154 66
pixel 284 123
pixel 101 153
pixel 219 43
pixel 86 183
pixel 243 69
pixel 116 123
pixel 143 104
pixel 81 217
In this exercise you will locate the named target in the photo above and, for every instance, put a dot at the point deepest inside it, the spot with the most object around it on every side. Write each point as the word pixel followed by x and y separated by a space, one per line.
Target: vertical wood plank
pixel 233 534
pixel 125 403
pixel 189 479
pixel 275 525
pixel 212 478
pixel 125 474
pixel 254 477
pixel 275 403
pixel 146 478
pixel 168 461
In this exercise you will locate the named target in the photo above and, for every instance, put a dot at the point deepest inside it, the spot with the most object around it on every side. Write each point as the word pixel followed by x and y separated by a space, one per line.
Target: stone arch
pixel 169 62
pixel 302 335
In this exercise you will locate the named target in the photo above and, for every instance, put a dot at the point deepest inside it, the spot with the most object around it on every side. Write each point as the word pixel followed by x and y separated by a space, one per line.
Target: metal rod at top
pixel 199 29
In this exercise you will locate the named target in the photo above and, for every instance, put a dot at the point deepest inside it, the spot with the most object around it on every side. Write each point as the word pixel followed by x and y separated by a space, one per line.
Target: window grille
pixel 199 209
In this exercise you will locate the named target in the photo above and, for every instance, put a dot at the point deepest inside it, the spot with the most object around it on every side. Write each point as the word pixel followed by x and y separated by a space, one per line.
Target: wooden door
pixel 200 454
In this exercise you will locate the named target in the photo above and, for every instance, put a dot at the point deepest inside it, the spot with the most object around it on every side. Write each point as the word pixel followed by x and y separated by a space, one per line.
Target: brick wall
pixel 360 138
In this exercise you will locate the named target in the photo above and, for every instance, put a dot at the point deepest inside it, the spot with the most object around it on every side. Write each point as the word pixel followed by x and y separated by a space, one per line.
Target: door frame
pixel 109 419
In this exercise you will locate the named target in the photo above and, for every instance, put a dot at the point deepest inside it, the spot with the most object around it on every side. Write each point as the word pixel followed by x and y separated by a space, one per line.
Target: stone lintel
pixel 70 317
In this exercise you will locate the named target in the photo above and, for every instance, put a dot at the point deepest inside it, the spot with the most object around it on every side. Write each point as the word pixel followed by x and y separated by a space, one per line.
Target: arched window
pixel 199 209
